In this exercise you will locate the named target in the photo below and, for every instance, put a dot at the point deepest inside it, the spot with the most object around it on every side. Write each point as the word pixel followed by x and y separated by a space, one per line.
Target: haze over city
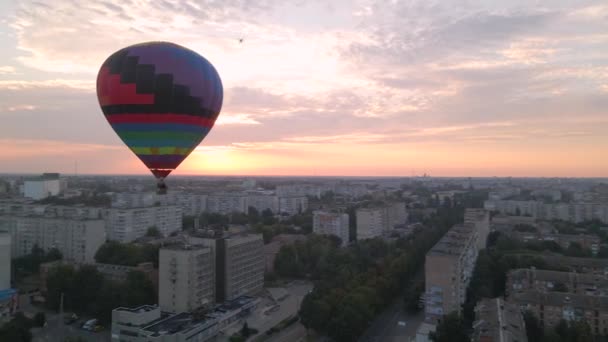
pixel 383 88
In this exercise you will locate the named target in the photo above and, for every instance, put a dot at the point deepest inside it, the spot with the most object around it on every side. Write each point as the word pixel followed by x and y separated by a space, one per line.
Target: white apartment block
pixel 573 212
pixel 371 222
pixel 128 224
pixel 262 202
pixel 76 239
pixel 42 187
pixel 5 260
pixel 191 204
pixel 227 203
pixel 293 205
pixel 327 223
pixel 186 278
pixel 480 218
pixel 298 190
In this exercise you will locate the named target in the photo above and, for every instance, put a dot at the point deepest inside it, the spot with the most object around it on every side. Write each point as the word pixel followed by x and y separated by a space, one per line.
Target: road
pixel 294 333
pixel 385 327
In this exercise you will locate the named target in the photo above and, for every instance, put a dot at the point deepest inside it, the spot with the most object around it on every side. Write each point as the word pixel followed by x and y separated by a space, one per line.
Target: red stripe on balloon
pixel 111 92
pixel 161 118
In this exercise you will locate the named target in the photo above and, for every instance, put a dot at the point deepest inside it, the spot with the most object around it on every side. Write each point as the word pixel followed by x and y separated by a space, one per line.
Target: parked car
pixel 69 319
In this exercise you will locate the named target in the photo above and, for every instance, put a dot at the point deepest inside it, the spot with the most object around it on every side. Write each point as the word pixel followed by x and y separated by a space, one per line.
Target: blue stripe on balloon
pixel 159 127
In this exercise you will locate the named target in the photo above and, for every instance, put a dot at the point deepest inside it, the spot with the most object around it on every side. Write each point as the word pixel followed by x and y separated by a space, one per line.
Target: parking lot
pixel 269 312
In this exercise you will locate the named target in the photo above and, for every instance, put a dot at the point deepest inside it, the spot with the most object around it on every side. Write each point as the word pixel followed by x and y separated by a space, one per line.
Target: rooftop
pixel 139 309
pixel 454 241
pixel 561 299
pixel 182 322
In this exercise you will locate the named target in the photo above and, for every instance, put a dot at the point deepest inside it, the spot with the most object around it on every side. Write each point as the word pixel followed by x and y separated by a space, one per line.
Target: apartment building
pixel 371 223
pixel 586 241
pixel 573 212
pixel 239 264
pixel 520 280
pixel 595 266
pixel 76 239
pixel 480 218
pixel 186 277
pixel 5 260
pixel 551 307
pixel 129 224
pixel 292 205
pixel 227 203
pixel 448 269
pixel 498 321
pixel 326 223
pixel 298 190
pixel 262 202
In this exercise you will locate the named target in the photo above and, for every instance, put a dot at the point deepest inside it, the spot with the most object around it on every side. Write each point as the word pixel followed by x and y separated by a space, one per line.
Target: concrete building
pixel 520 280
pixel 590 242
pixel 371 222
pixel 448 269
pixel 148 324
pixel 396 214
pixel 327 223
pixel 572 212
pixel 45 186
pixel 551 307
pixel 298 190
pixel 133 199
pixel 227 203
pixel 498 321
pixel 596 266
pixel 262 202
pixel 76 239
pixel 129 224
pixel 239 266
pixel 186 277
pixel 480 218
pixel 293 205
pixel 5 260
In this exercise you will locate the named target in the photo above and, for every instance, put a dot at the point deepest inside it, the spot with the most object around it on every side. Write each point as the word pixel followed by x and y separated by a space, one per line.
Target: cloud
pixel 7 70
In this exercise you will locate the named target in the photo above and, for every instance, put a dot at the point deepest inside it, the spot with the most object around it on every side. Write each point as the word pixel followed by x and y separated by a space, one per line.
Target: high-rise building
pixel 448 269
pixel 396 214
pixel 42 187
pixel 186 277
pixel 239 264
pixel 128 224
pixel 5 260
pixel 331 224
pixel 371 222
pixel 480 218
pixel 76 239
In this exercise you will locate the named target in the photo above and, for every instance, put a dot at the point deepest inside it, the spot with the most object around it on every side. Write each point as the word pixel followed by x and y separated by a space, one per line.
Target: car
pixel 401 323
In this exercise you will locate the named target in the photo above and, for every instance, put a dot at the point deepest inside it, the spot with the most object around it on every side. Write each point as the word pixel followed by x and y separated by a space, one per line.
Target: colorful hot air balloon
pixel 161 99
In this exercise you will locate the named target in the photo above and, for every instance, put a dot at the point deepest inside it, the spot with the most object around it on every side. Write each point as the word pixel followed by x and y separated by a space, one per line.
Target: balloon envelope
pixel 161 99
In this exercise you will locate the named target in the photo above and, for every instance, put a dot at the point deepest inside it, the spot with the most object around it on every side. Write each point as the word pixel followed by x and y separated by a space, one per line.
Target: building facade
pixel 129 224
pixel 5 260
pixel 227 203
pixel 327 223
pixel 371 223
pixel 292 205
pixel 186 277
pixel 239 266
pixel 498 321
pixel 76 239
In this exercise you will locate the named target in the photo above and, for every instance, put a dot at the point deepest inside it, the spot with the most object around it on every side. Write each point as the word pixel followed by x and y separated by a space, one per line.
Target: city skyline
pixel 362 88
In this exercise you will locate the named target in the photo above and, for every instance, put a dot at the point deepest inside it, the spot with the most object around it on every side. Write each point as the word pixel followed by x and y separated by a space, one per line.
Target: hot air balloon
pixel 162 100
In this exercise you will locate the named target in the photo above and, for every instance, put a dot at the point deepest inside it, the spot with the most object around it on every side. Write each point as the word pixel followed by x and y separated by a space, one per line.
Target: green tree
pixel 60 279
pixel 534 330
pixel 17 329
pixel 139 290
pixel 451 329
pixel 39 319
pixel 153 232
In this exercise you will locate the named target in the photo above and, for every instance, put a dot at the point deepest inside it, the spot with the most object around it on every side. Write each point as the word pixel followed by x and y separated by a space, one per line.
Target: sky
pixel 362 87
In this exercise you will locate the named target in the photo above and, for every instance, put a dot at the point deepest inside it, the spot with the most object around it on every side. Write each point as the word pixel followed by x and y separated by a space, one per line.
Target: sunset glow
pixel 348 88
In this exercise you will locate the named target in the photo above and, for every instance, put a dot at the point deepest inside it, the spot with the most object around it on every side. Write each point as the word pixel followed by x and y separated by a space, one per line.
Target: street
pixel 386 328
pixel 294 333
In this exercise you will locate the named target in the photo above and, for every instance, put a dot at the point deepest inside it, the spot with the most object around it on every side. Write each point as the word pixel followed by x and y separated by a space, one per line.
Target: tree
pixel 139 290
pixel 17 330
pixel 534 330
pixel 153 232
pixel 450 329
pixel 268 217
pixel 245 330
pixel 39 319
